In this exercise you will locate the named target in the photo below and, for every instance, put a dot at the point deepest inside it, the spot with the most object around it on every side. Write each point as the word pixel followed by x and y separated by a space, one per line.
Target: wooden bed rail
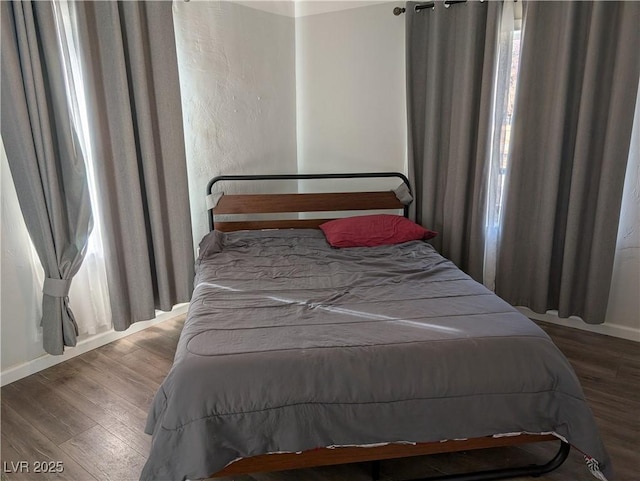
pixel 344 455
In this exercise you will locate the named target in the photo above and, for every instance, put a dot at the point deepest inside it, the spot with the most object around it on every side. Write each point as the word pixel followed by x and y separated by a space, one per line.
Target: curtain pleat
pixel 133 94
pixel 451 72
pixel 46 162
pixel 570 145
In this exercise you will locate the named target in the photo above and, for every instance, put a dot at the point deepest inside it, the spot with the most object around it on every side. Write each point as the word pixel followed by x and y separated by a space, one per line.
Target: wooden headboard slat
pixel 270 224
pixel 280 203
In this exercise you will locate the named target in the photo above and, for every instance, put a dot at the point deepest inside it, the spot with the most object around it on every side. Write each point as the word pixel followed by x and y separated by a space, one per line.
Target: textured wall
pixel 237 75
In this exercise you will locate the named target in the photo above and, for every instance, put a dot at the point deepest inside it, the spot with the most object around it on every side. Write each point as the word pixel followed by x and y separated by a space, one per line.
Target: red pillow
pixel 373 230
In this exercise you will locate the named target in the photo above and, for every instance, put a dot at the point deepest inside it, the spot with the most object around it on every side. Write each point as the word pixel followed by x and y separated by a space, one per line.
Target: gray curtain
pixel 451 72
pixel 128 56
pixel 46 163
pixel 570 145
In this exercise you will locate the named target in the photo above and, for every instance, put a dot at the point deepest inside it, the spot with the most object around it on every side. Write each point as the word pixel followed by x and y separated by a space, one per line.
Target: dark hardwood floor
pixel 89 413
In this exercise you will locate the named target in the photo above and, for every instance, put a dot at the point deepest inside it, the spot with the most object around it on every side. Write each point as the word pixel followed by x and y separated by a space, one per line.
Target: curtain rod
pixel 424 6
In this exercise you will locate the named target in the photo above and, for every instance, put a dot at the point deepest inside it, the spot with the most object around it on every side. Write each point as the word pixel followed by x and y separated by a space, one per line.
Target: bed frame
pixel 247 204
pixel 298 203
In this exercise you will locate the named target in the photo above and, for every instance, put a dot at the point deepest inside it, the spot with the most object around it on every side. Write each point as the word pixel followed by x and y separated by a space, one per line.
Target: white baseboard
pixel 25 369
pixel 608 329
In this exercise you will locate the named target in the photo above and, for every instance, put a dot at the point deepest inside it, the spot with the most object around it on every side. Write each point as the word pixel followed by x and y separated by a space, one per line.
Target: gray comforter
pixel 291 345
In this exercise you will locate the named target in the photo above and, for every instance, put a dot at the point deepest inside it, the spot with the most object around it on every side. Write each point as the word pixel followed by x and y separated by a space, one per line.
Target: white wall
pixel 315 7
pixel 237 75
pixel 21 298
pixel 350 90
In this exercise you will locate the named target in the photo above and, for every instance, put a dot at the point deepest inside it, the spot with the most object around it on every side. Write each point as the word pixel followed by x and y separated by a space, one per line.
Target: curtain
pixel 451 74
pixel 89 295
pixel 571 133
pixel 45 159
pixel 130 74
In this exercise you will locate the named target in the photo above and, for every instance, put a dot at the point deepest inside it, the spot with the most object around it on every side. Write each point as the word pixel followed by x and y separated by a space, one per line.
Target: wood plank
pixel 325 456
pixel 156 343
pixel 148 364
pixel 605 346
pixel 130 375
pixel 104 455
pixel 171 327
pixel 613 408
pixel 20 439
pixel 138 387
pixel 10 456
pixel 43 408
pixel 140 398
pixel 126 425
pixel 117 349
pixel 82 382
pixel 230 226
pixel 172 334
pixel 59 371
pixel 132 436
pixel 279 203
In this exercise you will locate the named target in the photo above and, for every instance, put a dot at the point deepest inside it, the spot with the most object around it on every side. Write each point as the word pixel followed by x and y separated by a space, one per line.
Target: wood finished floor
pixel 89 413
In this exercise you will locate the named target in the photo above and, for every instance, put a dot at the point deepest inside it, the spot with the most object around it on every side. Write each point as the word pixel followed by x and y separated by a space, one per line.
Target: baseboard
pixel 608 329
pixel 19 371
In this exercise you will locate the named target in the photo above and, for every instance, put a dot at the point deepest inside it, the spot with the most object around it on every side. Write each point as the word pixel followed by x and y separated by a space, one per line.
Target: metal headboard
pixel 358 175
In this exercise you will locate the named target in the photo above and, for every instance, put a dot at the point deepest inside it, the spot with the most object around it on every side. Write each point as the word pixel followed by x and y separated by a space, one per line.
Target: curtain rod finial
pixel 398 10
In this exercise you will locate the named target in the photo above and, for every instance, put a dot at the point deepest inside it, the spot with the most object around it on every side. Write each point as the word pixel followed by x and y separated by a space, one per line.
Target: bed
pixel 296 354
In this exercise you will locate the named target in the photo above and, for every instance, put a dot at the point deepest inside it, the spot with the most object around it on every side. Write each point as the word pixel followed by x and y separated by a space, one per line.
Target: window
pixel 508 65
pixel 505 130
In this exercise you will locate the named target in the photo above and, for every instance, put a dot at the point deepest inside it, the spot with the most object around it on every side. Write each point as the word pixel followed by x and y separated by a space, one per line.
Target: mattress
pixel 291 345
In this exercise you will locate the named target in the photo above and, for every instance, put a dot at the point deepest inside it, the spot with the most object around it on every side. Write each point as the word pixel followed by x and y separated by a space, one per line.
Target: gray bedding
pixel 291 345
